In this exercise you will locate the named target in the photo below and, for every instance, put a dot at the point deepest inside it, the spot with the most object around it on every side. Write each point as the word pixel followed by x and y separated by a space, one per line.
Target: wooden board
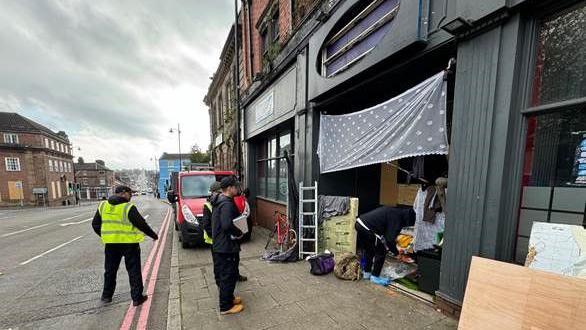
pixel 500 295
pixel 407 194
pixel 389 190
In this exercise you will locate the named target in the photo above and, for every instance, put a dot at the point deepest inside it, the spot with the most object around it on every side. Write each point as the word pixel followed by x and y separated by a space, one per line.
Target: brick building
pixel 221 101
pixel 274 34
pixel 37 167
pixel 95 179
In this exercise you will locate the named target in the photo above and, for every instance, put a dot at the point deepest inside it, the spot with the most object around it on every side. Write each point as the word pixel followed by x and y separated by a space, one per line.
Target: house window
pixel 272 172
pixel 50 165
pixel 554 173
pixel 46 143
pixel 52 144
pixel 10 138
pixel 357 34
pixel 12 164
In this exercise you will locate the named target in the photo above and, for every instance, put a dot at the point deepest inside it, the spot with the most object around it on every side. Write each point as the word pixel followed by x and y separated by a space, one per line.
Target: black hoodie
pixel 222 226
pixel 388 221
pixel 133 216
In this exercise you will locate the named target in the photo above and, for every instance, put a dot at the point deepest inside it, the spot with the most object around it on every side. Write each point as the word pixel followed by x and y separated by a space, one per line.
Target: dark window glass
pixel 272 179
pixel 357 34
pixel 560 71
pixel 554 175
pixel 285 144
pixel 262 180
pixel 283 187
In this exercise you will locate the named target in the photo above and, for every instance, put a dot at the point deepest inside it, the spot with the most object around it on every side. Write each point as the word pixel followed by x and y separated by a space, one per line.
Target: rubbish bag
pixel 278 256
pixel 348 267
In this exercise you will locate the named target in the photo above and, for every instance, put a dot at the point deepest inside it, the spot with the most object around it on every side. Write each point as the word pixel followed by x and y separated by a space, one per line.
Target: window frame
pixel 12 161
pixel 277 158
pixel 327 59
pixel 11 138
pixel 528 110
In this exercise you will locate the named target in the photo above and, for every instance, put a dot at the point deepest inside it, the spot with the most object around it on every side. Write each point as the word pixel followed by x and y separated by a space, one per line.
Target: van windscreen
pixel 196 186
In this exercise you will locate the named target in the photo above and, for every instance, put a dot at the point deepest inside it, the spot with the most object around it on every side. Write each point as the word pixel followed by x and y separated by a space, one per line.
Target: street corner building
pixel 37 166
pixel 95 180
pixel 366 97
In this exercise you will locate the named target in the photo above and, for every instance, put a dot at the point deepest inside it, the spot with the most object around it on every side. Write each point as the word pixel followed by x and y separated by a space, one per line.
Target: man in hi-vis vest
pixel 122 228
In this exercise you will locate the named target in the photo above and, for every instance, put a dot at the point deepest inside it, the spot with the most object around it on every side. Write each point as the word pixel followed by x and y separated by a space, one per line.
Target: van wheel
pixel 184 245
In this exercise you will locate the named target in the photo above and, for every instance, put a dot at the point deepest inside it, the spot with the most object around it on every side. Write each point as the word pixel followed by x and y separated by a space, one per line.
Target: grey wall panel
pixel 483 166
pixel 285 102
pixel 475 9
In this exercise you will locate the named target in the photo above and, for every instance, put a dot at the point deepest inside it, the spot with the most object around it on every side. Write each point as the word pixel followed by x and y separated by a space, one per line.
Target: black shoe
pixel 106 299
pixel 140 301
pixel 242 278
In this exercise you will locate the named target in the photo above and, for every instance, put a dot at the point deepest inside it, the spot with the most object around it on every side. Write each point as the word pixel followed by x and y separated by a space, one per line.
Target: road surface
pixel 51 271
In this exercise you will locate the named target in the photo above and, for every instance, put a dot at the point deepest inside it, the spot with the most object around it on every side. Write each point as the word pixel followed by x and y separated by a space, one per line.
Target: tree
pixel 80 160
pixel 198 156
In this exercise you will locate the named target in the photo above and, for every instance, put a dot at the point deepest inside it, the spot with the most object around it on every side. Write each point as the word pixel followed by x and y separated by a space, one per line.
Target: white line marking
pixel 27 229
pixel 147 216
pixel 49 251
pixel 73 217
pixel 75 223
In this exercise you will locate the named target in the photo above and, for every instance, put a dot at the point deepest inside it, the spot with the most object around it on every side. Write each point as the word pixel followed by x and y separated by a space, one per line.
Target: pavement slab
pixel 287 296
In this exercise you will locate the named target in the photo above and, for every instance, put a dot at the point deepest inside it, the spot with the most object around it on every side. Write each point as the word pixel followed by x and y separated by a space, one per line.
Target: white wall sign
pixel 264 108
pixel 219 139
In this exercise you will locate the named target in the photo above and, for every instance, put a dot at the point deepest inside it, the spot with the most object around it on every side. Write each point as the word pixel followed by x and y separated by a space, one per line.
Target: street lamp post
pixel 171 130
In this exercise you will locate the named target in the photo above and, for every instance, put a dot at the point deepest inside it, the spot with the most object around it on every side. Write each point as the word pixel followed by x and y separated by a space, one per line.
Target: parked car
pixel 189 194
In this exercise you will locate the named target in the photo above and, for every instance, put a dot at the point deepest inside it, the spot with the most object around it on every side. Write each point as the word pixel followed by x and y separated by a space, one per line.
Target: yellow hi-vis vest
pixel 206 238
pixel 116 228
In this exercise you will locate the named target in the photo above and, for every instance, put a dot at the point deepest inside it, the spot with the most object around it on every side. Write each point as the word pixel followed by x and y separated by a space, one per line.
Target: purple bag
pixel 321 264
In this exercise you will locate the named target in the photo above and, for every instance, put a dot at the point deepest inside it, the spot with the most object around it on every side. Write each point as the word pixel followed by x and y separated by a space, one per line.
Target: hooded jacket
pixel 388 221
pixel 133 216
pixel 222 226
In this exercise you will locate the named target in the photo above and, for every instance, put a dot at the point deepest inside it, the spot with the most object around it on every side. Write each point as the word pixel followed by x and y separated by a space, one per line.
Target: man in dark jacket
pixel 120 241
pixel 377 232
pixel 226 247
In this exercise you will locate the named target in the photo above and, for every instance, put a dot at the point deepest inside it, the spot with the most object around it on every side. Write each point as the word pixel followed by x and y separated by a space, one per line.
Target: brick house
pixel 96 181
pixel 37 167
pixel 272 90
pixel 221 101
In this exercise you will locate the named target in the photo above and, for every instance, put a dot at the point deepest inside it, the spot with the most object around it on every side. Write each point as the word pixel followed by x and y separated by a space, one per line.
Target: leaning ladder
pixel 308 228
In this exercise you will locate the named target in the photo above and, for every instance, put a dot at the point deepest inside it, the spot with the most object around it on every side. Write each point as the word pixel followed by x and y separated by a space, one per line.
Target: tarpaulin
pixel 411 124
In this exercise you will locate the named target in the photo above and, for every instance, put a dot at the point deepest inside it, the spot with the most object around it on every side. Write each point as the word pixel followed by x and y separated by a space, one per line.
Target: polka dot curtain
pixel 411 124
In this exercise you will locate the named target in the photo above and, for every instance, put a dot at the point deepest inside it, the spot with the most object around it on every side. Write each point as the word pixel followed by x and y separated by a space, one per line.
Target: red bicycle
pixel 286 236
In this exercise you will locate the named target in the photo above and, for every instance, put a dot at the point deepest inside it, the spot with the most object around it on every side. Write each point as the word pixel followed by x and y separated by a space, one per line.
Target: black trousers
pixel 131 254
pixel 226 275
pixel 374 251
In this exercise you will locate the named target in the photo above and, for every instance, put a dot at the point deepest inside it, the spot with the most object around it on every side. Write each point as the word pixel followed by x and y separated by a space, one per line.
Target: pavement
pixel 51 270
pixel 287 296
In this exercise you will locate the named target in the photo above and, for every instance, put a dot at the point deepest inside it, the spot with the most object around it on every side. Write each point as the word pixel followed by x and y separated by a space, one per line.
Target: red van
pixel 191 192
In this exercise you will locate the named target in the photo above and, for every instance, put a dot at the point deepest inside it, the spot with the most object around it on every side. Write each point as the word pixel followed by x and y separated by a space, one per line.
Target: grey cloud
pixel 87 61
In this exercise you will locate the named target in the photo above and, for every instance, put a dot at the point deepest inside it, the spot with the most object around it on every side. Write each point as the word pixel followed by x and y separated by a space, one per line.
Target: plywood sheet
pixel 505 296
pixel 407 194
pixel 389 190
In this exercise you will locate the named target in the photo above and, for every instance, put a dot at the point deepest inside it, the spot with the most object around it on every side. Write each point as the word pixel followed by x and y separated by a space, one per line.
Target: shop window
pixel 554 173
pixel 272 172
pixel 357 33
pixel 560 73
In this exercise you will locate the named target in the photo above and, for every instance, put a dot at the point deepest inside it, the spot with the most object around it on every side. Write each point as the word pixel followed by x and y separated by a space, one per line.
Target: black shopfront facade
pixel 517 112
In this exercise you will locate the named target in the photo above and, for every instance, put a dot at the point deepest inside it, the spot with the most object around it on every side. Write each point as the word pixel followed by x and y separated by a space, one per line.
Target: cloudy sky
pixel 115 75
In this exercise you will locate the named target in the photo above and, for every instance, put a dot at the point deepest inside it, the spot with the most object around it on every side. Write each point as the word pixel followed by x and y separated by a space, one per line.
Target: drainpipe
pixel 237 91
